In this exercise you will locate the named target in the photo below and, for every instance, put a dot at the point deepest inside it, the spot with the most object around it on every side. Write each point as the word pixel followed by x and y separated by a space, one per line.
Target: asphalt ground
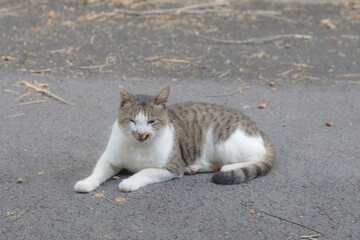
pixel 314 184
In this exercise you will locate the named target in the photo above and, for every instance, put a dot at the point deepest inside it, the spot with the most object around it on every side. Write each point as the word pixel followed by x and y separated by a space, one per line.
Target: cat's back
pixel 193 117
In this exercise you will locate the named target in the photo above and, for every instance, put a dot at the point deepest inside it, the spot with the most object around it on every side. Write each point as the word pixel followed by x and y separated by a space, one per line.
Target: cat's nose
pixel 141 136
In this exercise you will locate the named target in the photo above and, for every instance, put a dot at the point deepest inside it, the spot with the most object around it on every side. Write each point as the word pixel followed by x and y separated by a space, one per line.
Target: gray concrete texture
pixel 314 183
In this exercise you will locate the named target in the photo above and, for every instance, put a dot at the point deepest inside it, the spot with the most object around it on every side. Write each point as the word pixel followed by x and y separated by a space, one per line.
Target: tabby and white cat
pixel 160 143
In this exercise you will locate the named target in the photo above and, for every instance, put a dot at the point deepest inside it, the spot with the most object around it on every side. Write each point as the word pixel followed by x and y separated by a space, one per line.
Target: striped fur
pixel 255 169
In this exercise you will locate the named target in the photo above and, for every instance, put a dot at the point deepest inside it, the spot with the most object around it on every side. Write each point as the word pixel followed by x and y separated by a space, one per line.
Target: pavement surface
pixel 83 52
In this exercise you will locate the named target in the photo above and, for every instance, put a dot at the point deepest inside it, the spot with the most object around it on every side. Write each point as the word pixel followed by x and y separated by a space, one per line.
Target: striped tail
pixel 249 172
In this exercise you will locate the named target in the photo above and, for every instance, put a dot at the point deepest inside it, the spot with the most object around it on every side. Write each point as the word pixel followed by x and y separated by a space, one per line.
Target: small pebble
pixel 328 123
pixel 20 180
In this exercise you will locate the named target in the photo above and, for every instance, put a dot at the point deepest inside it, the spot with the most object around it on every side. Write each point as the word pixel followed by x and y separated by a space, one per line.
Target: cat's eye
pixel 151 122
pixel 132 121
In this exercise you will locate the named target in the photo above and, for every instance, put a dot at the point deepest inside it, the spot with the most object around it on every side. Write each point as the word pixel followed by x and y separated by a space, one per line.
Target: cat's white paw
pixel 192 169
pixel 128 185
pixel 85 186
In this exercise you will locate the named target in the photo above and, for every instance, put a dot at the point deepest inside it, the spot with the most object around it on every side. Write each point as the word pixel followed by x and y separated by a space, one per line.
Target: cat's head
pixel 143 117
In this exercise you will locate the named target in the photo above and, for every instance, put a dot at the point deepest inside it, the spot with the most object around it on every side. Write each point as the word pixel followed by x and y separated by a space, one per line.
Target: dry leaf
pixel 356 6
pixel 259 55
pixel 51 14
pixel 116 177
pixel 35 30
pixel 40 173
pixel 49 23
pixel 328 123
pixel 252 211
pixel 6 58
pixel 295 75
pixel 120 200
pixel 98 195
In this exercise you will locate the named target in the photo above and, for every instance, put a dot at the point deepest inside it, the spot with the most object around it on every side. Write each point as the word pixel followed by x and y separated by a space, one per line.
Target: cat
pixel 160 143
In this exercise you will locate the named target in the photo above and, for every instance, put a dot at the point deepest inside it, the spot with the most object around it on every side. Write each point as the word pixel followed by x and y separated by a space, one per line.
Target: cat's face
pixel 143 117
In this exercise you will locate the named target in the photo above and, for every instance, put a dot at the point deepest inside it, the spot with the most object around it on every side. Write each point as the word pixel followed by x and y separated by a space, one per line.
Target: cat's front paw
pixel 85 186
pixel 192 169
pixel 128 185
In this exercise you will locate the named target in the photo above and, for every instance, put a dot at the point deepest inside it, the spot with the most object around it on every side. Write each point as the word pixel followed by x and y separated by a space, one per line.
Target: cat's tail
pixel 248 171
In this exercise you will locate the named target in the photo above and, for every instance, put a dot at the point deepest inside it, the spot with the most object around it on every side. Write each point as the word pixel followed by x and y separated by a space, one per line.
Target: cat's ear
pixel 125 96
pixel 162 97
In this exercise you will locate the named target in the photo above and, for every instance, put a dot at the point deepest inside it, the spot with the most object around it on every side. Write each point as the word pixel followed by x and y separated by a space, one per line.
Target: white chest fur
pixel 126 152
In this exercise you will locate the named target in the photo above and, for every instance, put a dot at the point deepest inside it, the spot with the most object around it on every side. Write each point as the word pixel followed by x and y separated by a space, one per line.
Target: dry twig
pixel 301 65
pixel 262 105
pixel 286 220
pixel 310 237
pixel 173 60
pixel 11 91
pixel 12 11
pixel 17 115
pixel 279 18
pixel 311 78
pixel 31 102
pixel 257 40
pixel 24 95
pixel 66 51
pixel 39 89
pixel 349 75
pixel 350 37
pixel 192 9
pixel 238 90
pixel 119 201
pixel 224 74
pixel 154 58
pixel 270 14
pixel 286 72
pixel 327 22
pixel 16 217
pixel 100 67
pixel 41 71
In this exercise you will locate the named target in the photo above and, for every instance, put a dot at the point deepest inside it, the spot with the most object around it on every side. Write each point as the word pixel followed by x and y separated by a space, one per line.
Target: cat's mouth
pixel 143 139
